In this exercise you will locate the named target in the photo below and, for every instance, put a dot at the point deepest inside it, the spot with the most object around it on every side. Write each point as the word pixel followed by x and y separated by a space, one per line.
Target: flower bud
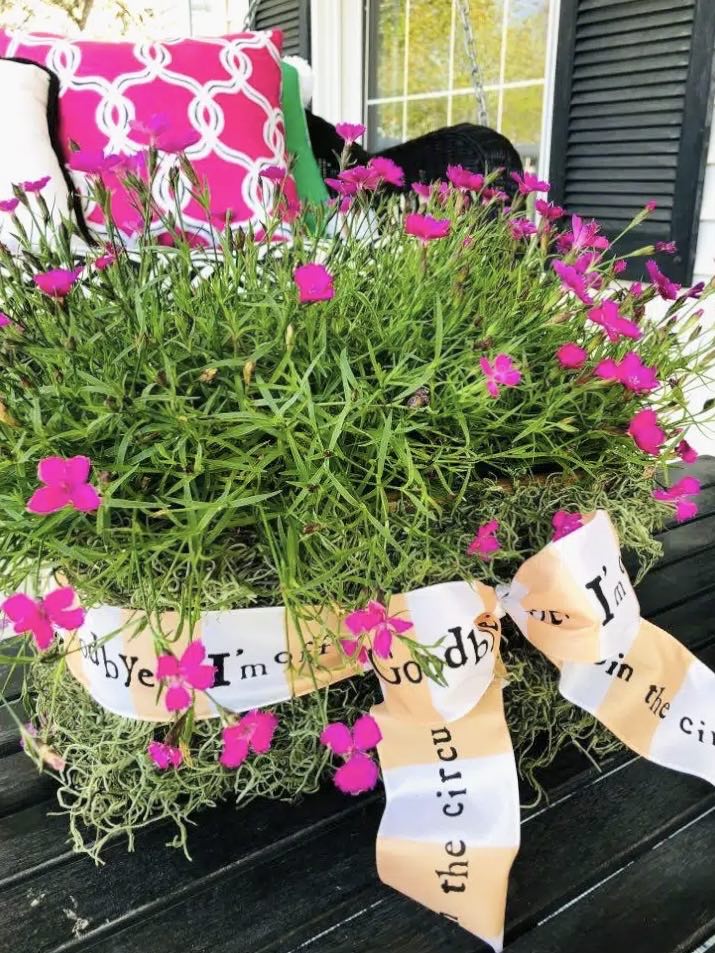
pixel 248 369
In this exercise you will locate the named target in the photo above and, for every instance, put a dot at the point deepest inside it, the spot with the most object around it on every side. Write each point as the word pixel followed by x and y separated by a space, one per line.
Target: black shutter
pixel 631 120
pixel 290 16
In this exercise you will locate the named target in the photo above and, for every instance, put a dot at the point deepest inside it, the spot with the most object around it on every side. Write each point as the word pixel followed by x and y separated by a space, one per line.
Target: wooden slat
pixel 21 784
pixel 615 8
pixel 605 56
pixel 660 903
pixel 606 27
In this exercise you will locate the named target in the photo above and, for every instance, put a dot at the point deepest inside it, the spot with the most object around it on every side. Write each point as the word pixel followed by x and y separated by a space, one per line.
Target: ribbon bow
pixel 450 830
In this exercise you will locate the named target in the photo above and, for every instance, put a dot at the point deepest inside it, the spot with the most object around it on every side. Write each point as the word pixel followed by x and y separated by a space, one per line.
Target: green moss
pixel 252 450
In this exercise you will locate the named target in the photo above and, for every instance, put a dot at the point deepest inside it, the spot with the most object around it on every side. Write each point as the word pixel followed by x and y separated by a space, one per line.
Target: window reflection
pixel 419 74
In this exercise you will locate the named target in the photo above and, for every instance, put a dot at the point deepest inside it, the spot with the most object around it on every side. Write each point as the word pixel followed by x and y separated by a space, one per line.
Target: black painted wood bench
pixel 619 859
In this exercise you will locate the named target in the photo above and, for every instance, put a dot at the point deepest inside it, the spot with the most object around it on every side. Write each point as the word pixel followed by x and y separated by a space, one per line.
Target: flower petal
pixel 52 470
pixel 177 698
pixel 167 667
pixel 48 499
pixel 59 599
pixel 235 747
pixel 77 469
pixel 358 774
pixel 19 608
pixel 264 726
pixel 85 498
pixel 337 737
pixel 366 733
pixel 202 677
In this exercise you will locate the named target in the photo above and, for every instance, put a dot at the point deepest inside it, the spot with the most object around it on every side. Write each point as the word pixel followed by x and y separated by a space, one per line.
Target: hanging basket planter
pixel 269 482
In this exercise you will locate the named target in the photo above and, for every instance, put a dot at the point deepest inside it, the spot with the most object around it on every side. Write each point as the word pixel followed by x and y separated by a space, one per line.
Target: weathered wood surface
pixel 619 859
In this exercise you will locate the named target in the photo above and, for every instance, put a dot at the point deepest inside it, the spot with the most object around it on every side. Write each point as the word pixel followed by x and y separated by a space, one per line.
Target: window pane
pixel 425 115
pixel 526 40
pixel 466 109
pixel 430 31
pixel 387 48
pixel 486 20
pixel 385 125
pixel 521 121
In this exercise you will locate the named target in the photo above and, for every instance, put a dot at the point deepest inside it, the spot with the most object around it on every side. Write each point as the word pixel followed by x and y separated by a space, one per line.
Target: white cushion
pixel 26 153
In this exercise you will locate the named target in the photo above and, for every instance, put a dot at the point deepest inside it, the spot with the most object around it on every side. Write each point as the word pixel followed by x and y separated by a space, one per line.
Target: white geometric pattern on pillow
pixel 226 89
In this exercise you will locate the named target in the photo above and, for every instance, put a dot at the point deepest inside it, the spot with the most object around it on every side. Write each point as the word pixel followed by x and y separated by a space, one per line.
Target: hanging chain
pixel 250 19
pixel 471 51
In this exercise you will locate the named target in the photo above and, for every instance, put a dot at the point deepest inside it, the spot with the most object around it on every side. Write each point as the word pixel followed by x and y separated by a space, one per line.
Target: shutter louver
pixel 630 118
pixel 290 16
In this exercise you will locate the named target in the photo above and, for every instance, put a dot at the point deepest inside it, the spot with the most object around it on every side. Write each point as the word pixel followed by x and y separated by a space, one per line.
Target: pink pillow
pixel 223 93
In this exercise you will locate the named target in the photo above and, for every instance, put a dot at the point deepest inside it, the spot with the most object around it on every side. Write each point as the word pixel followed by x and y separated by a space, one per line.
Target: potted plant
pixel 227 421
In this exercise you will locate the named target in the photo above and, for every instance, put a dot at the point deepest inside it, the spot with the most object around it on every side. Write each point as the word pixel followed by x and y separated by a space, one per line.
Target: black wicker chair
pixel 477 148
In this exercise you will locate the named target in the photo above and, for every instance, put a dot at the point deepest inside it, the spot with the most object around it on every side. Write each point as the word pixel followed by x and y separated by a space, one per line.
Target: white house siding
pixel 704 439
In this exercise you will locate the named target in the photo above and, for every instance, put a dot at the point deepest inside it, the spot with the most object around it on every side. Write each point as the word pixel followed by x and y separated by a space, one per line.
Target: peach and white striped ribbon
pixel 450 830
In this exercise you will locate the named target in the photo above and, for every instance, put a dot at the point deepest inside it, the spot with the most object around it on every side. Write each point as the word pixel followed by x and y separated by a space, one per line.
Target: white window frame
pixel 339 54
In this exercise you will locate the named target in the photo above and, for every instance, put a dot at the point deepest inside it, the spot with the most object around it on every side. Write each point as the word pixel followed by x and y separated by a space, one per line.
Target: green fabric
pixel 306 173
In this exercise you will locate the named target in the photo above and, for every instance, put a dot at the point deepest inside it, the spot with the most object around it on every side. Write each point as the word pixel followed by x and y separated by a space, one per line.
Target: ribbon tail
pixel 450 831
pixel 655 696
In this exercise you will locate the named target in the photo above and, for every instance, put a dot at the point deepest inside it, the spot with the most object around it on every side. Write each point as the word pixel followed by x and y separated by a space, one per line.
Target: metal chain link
pixel 471 50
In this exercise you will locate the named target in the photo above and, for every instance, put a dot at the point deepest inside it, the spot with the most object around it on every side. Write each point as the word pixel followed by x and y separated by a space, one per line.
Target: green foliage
pixel 252 450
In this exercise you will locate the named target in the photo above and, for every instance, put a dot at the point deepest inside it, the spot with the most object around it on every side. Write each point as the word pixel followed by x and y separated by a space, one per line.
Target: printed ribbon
pixel 450 830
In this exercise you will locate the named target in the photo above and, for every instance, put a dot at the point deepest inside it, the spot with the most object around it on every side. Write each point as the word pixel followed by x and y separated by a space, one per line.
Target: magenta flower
pixel 497 195
pixel 65 485
pixel 572 280
pixel 548 210
pixel 164 756
pixel 274 173
pixel 571 357
pixel 9 205
pixel 646 433
pixel 43 616
pixel 425 227
pixel 485 541
pixel 502 372
pixel 178 141
pixel 686 453
pixel 619 266
pixel 636 289
pixel 373 619
pixel 35 185
pixel 4 320
pixel 528 182
pixel 359 772
pixel 315 283
pixel 387 171
pixel 667 248
pixel 254 732
pixel 583 235
pixel 58 282
pixel 564 523
pixel 422 189
pixel 696 290
pixel 355 179
pixel 650 206
pixel 156 125
pixel 350 131
pixel 678 493
pixel 92 161
pixel 522 228
pixel 105 260
pixel 464 179
pixel 183 674
pixel 613 323
pixel 631 372
pixel 667 289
